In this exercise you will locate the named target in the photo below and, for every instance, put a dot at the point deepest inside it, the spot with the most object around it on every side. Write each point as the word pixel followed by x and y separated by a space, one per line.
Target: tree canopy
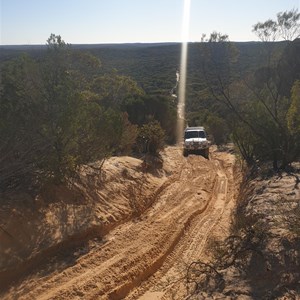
pixel 260 108
pixel 58 111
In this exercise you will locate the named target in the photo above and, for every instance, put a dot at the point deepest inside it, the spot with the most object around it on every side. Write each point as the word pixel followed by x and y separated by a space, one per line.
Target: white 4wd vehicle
pixel 195 141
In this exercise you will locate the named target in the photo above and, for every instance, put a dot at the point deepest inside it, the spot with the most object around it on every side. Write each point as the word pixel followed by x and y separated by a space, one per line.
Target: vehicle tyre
pixel 206 153
pixel 185 153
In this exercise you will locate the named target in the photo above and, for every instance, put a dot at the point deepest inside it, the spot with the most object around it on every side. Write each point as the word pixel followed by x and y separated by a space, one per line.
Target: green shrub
pixel 151 138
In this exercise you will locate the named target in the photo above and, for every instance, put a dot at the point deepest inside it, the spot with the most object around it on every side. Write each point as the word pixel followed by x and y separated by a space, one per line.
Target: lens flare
pixel 183 68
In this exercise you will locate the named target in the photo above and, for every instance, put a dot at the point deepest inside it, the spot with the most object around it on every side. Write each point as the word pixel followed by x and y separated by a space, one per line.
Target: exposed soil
pixel 267 221
pixel 139 231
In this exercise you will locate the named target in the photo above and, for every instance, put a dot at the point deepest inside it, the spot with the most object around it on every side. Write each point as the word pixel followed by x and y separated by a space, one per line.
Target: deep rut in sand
pixel 145 258
pixel 168 282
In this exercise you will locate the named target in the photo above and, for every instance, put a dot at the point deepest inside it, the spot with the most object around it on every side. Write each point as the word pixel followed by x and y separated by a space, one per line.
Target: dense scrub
pixel 62 106
pixel 59 111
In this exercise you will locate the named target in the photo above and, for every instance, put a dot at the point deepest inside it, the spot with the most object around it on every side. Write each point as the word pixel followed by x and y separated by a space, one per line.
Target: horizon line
pixel 131 43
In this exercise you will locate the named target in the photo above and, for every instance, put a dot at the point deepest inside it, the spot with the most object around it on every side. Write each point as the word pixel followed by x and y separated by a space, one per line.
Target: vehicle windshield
pixel 194 134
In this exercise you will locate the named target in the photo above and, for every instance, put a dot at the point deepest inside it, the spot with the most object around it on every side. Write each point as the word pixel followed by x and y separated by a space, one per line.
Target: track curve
pixel 142 258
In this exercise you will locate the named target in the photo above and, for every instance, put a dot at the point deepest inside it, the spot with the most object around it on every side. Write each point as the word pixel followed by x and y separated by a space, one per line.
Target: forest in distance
pixel 66 105
pixel 152 65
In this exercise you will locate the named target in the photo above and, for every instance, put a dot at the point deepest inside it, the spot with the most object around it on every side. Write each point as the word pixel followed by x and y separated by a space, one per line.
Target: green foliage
pixel 286 26
pixel 293 120
pixel 61 109
pixel 19 107
pixel 293 117
pixel 259 126
pixel 129 135
pixel 153 66
pixel 144 109
pixel 55 42
pixel 220 58
pixel 256 107
pixel 245 141
pixel 217 127
pixel 215 37
pixel 197 117
pixel 266 31
pixel 113 89
pixel 267 114
pixel 151 138
pixel 52 121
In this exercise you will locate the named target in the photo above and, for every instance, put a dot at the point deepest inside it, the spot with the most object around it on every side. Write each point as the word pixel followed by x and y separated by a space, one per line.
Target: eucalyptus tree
pixel 257 108
pixel 51 119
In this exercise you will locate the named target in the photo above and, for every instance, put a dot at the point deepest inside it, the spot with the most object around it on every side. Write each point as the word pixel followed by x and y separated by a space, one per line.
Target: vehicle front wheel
pixel 185 153
pixel 206 153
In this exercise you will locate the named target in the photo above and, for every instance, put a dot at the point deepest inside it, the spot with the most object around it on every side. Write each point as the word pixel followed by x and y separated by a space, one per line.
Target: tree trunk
pixel 275 162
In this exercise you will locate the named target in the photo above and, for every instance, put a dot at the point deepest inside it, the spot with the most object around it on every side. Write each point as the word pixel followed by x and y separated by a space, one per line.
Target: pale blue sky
pixel 119 21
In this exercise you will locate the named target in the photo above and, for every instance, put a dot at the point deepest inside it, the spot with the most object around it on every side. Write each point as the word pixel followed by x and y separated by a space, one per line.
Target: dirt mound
pixel 193 198
pixel 261 260
pixel 34 228
pixel 274 208
pixel 153 228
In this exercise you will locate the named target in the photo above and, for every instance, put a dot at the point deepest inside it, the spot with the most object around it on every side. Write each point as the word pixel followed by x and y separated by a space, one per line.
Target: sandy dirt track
pixel 146 258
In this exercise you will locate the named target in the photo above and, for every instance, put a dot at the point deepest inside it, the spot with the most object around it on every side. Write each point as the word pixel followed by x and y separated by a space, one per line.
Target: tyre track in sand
pixel 168 282
pixel 142 255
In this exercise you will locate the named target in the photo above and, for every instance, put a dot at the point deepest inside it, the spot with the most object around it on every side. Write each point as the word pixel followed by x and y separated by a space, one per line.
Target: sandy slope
pixel 143 257
pixel 32 229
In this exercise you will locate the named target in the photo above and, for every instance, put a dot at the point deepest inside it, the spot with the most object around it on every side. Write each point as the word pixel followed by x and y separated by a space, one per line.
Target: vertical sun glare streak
pixel 183 67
